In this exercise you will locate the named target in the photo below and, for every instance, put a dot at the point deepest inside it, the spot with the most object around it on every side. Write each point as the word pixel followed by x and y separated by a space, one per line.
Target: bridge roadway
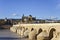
pixel 6 34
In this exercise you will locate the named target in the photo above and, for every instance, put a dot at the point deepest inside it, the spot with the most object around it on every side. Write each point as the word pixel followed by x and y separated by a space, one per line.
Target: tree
pixel 23 18
pixel 30 18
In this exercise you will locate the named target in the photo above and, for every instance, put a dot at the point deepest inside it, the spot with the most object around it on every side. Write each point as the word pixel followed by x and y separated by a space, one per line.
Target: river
pixel 6 34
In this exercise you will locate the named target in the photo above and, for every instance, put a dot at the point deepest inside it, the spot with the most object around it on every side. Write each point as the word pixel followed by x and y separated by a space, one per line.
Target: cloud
pixel 14 14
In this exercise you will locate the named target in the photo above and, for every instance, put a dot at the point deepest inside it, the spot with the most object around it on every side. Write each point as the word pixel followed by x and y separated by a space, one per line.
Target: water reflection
pixel 12 38
pixel 8 38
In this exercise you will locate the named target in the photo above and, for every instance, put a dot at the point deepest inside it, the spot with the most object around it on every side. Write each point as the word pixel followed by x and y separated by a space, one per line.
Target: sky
pixel 41 9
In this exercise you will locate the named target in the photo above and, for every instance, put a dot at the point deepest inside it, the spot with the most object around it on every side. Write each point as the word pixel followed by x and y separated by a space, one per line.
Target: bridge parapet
pixel 44 26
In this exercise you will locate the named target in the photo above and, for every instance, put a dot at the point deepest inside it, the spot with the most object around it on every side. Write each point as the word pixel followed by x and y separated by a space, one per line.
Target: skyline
pixel 42 9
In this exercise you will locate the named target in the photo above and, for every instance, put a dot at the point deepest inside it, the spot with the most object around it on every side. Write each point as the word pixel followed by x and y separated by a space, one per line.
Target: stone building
pixel 28 19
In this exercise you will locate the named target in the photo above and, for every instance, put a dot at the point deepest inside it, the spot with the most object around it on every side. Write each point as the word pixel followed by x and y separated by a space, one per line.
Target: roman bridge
pixel 38 28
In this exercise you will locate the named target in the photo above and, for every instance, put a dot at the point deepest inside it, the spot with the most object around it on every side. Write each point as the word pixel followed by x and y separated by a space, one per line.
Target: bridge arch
pixel 32 29
pixel 51 33
pixel 38 32
pixel 26 28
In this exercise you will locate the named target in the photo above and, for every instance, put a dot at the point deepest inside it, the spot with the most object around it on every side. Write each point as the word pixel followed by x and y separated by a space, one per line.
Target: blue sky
pixel 38 8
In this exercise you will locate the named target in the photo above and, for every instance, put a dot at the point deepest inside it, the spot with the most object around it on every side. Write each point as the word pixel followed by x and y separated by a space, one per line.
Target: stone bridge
pixel 44 31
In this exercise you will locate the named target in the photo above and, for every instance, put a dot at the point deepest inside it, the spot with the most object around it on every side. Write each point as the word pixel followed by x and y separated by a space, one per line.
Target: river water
pixel 6 34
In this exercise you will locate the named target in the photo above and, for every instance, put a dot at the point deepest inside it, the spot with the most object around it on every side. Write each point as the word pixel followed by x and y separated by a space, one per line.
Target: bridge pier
pixel 42 35
pixel 32 35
